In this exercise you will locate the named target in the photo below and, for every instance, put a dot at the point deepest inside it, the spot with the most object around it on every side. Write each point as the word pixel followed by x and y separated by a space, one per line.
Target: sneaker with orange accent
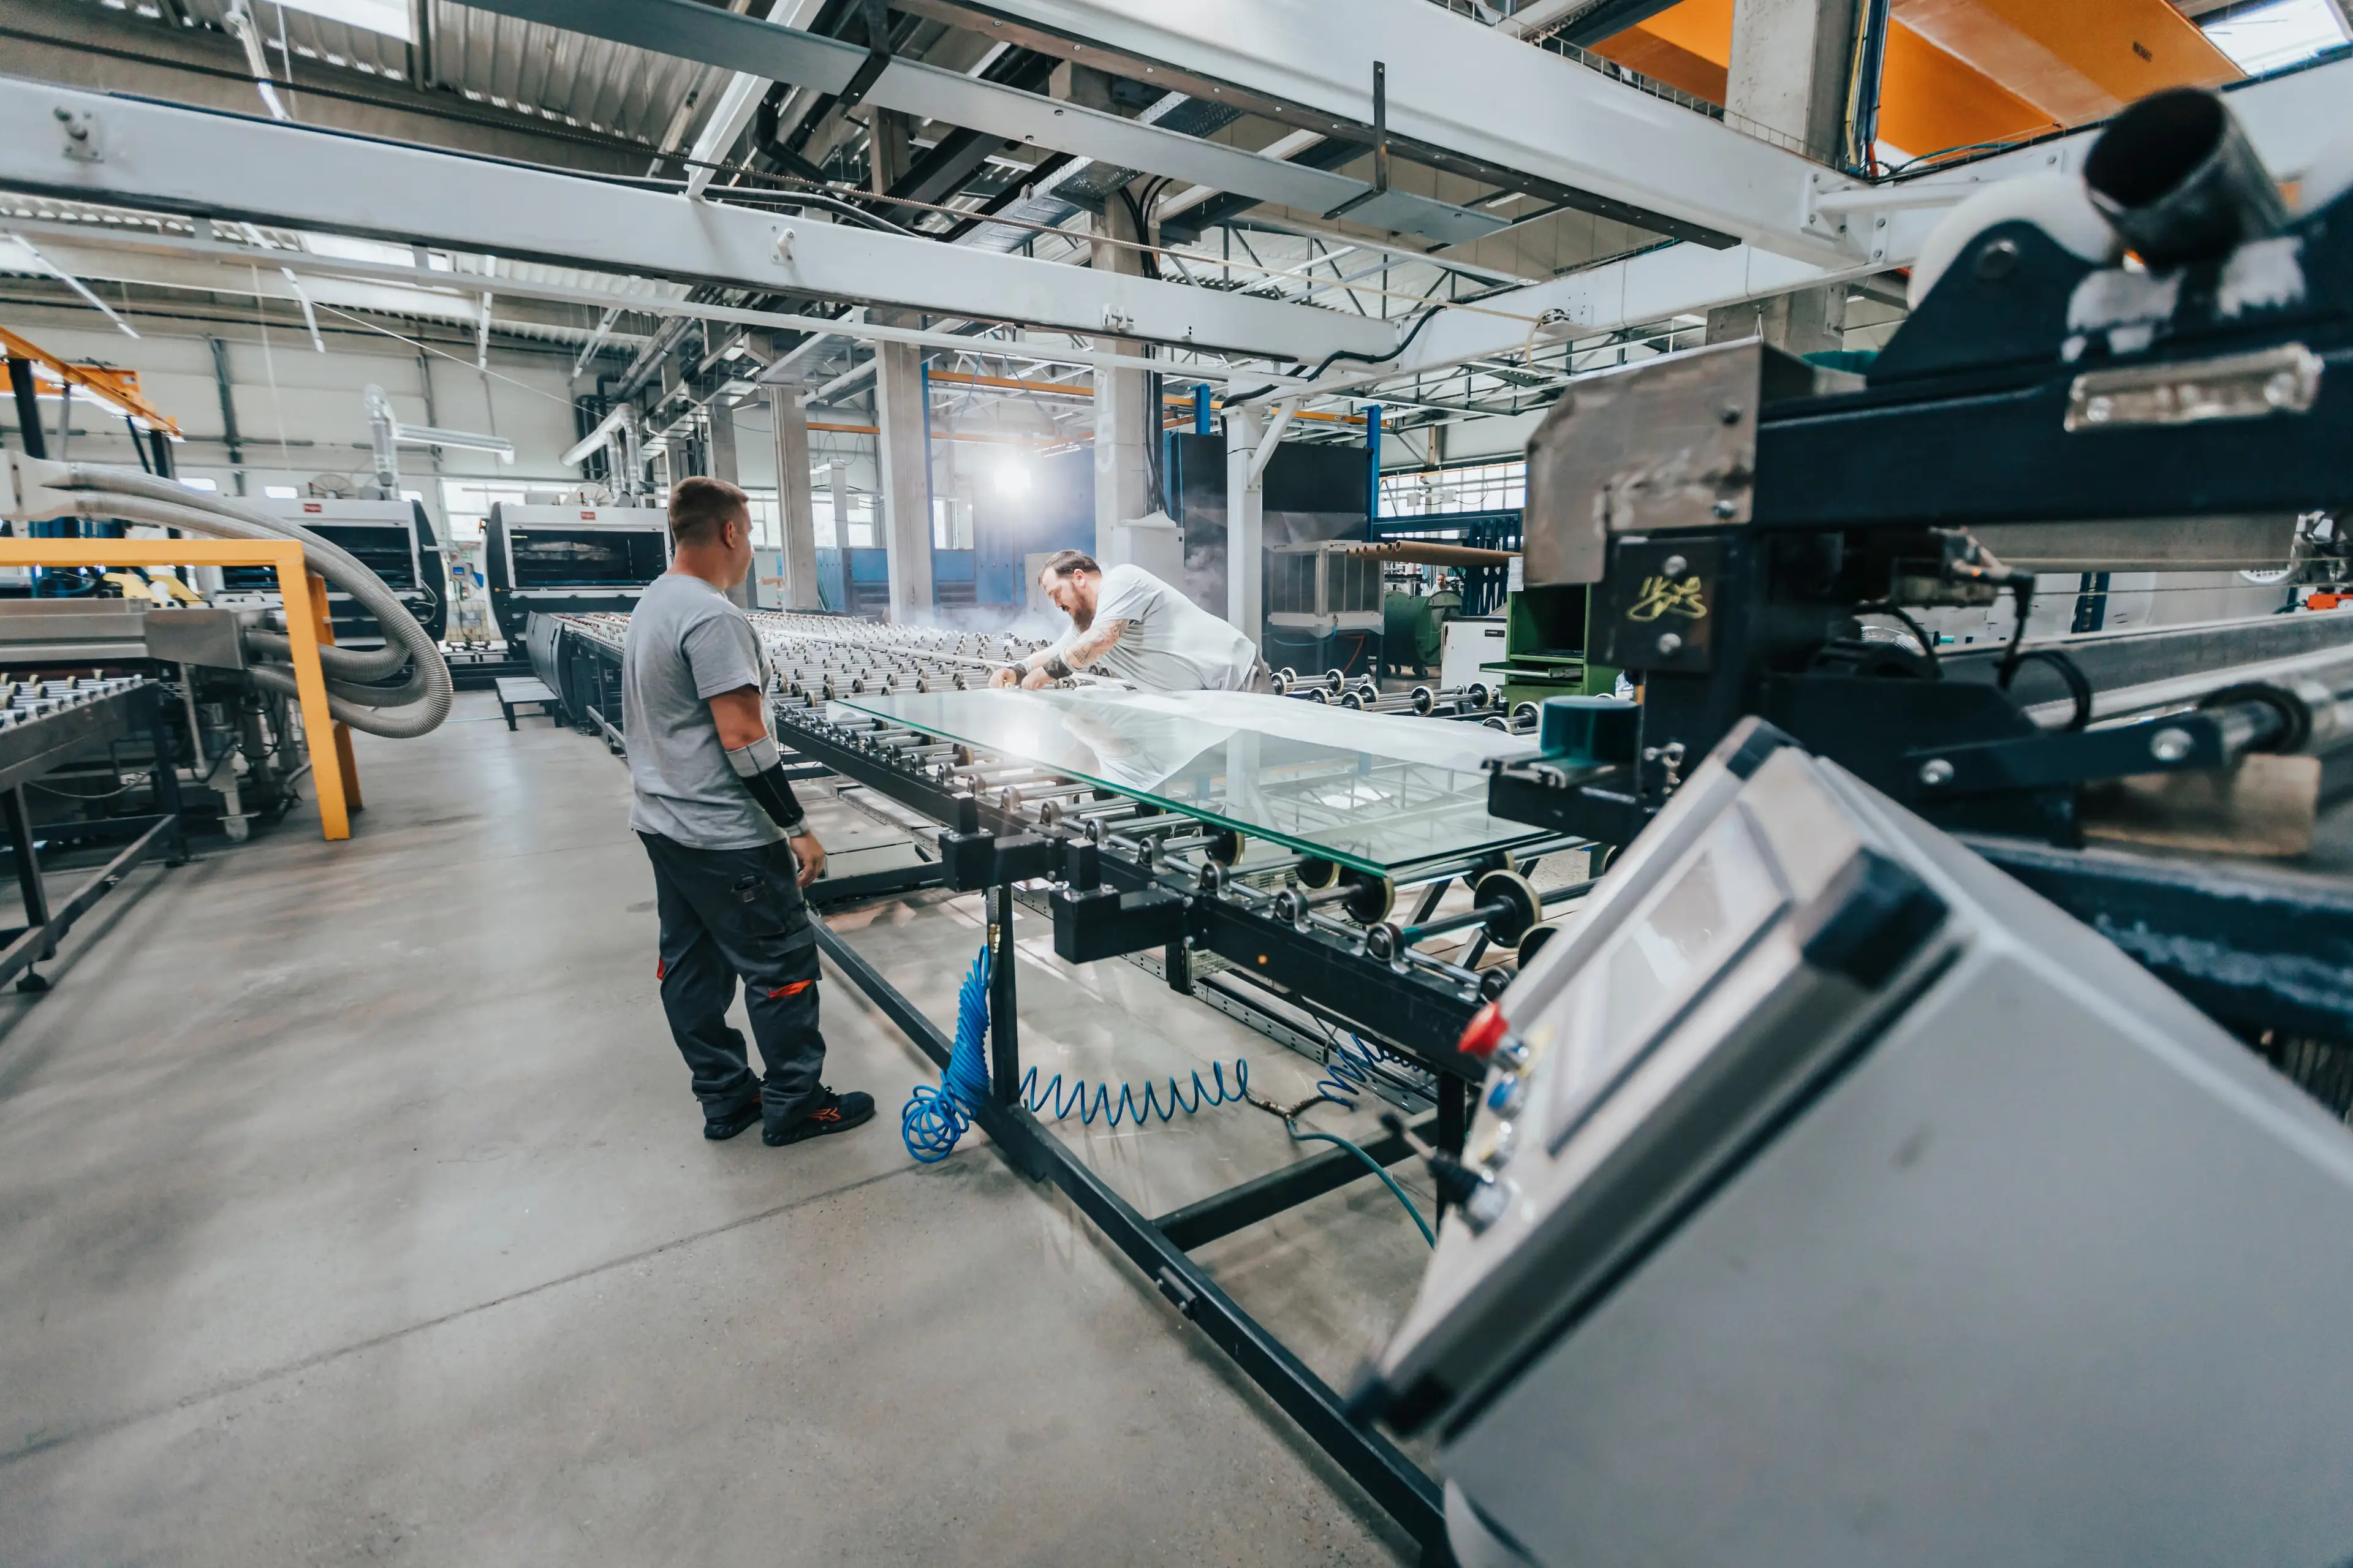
pixel 832 1113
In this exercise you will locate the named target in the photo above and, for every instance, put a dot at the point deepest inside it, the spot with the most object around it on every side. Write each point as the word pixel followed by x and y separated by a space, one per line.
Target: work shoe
pixel 721 1126
pixel 832 1113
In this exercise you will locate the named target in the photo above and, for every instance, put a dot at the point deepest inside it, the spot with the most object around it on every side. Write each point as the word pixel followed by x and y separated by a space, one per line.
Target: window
pixel 950 523
pixel 200 484
pixel 2264 38
pixel 1487 487
pixel 416 496
pixel 857 531
pixel 467 504
pixel 765 531
pixel 280 492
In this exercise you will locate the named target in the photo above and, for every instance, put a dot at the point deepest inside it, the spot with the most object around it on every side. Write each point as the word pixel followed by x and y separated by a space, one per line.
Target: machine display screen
pixel 1692 928
pixel 585 557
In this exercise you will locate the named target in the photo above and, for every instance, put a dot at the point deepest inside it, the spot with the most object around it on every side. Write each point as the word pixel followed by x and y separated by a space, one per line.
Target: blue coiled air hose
pixel 933 1120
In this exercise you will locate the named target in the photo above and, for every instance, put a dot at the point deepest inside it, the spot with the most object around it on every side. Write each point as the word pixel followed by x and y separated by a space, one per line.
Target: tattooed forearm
pixel 1093 645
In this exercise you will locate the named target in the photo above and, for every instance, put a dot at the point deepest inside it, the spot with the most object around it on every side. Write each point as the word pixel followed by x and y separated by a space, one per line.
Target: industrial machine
pixel 1764 537
pixel 1323 608
pixel 569 559
pixel 1792 996
pixel 1836 1195
pixel 394 539
pixel 1834 1198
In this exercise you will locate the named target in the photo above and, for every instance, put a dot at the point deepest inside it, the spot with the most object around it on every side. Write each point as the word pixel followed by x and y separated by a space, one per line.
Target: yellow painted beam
pixel 1964 73
pixel 120 387
pixel 294 592
pixel 2077 61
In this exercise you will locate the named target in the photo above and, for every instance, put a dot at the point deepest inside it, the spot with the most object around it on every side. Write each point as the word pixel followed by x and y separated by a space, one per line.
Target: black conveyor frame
pixel 1159 1248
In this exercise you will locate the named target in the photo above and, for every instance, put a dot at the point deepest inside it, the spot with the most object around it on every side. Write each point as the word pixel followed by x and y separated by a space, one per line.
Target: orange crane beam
pixel 118 389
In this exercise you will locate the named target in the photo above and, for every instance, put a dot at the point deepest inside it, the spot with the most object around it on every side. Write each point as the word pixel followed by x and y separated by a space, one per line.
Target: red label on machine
pixel 588 516
pixel 312 506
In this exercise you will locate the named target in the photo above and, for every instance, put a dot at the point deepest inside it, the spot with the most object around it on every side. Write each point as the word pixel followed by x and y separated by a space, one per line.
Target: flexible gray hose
pixel 140 499
pixel 342 663
pixel 393 724
pixel 322 555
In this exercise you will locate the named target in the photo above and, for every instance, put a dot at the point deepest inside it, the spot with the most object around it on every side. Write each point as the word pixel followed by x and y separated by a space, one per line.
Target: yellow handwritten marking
pixel 1660 597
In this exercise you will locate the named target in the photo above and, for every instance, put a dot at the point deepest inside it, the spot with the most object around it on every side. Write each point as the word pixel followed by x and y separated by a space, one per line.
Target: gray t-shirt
pixel 686 644
pixel 1171 644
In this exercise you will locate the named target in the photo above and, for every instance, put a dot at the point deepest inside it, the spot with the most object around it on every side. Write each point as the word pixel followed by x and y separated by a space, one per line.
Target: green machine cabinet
pixel 1546 634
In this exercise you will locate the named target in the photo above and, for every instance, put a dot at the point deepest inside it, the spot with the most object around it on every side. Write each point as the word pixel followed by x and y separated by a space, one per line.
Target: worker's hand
pixel 1005 677
pixel 1036 679
pixel 811 855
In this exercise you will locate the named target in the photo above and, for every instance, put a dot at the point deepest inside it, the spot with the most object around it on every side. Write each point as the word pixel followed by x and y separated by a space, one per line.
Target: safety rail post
pixel 323 626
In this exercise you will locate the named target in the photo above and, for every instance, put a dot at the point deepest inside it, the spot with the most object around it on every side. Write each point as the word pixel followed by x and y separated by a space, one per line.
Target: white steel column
pixel 1122 471
pixel 1245 525
pixel 796 500
pixel 723 467
pixel 905 471
pixel 1789 77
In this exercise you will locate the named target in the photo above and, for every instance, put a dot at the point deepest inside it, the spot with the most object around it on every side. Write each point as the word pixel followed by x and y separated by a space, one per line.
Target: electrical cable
pixel 2079 684
pixel 1919 634
pixel 1290 1115
pixel 1356 355
pixel 933 1120
pixel 2021 586
pixel 1310 1135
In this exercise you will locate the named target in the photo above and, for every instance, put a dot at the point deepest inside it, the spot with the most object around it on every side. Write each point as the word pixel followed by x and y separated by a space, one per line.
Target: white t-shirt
pixel 1171 644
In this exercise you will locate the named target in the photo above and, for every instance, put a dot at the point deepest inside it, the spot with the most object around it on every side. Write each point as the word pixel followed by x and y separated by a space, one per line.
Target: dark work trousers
pixel 731 912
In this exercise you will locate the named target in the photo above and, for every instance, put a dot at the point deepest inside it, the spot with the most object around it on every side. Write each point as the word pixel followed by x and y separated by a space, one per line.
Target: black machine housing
pixel 2037 402
pixel 394 539
pixel 570 560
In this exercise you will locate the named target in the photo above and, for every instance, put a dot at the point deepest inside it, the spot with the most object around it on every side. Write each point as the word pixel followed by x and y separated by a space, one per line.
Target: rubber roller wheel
pixel 1226 847
pixel 1533 943
pixel 1524 910
pixel 1316 875
pixel 1369 899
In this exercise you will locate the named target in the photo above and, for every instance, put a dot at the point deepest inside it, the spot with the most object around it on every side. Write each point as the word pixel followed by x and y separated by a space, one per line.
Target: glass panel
pixel 1373 791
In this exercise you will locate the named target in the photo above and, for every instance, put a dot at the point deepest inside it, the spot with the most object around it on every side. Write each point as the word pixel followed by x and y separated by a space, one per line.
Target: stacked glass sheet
pixel 1377 792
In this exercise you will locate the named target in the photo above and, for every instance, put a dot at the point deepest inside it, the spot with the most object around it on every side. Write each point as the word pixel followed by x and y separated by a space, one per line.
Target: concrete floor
pixel 353 1207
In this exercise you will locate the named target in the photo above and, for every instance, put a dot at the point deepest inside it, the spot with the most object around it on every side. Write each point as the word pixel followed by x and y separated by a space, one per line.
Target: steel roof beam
pixel 716 37
pixel 2290 118
pixel 1459 95
pixel 243 271
pixel 167 159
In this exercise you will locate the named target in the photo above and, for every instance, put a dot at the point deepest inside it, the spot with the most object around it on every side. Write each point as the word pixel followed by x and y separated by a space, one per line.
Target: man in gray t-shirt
pixel 730 846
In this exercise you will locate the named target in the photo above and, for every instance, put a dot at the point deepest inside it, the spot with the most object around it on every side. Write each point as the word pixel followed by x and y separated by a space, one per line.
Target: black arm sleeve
pixel 774 790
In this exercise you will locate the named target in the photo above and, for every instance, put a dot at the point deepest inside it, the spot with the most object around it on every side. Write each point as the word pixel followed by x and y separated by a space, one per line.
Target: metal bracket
pixel 971 861
pixel 1380 145
pixel 877 56
pixel 2176 744
pixel 84 143
pixel 1104 922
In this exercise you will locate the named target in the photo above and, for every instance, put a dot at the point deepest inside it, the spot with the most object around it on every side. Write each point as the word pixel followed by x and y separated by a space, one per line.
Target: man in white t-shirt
pixel 1131 624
